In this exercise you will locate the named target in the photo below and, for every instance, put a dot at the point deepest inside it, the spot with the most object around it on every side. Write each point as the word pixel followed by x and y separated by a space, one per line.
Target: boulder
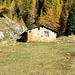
pixel 11 30
pixel 1 35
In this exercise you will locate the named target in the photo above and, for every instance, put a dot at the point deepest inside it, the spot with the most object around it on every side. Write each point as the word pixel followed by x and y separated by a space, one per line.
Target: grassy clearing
pixel 37 58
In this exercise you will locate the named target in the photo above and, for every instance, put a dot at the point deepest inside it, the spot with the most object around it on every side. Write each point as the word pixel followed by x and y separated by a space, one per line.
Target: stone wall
pixel 41 34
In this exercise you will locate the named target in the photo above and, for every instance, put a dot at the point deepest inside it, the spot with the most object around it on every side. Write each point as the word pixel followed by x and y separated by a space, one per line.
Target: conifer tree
pixel 70 29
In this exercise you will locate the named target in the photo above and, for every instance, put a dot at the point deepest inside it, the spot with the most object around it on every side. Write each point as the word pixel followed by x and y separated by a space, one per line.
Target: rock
pixel 16 27
pixel 1 35
pixel 11 30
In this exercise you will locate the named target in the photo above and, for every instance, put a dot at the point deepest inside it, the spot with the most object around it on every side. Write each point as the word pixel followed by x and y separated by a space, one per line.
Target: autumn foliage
pixel 50 13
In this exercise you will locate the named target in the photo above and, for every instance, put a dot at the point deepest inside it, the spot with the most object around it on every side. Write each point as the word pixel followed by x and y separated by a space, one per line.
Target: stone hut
pixel 42 34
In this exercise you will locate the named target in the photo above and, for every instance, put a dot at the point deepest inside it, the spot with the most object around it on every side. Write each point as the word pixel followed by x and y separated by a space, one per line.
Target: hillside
pixel 52 13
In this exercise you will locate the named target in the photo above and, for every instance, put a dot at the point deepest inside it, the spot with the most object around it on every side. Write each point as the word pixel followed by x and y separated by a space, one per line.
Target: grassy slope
pixel 36 58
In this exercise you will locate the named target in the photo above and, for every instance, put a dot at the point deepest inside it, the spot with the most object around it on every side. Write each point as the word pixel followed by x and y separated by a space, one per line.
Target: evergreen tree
pixel 70 29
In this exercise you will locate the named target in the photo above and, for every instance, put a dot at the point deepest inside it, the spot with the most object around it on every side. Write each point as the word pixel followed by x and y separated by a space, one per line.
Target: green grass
pixel 37 58
pixel 2 24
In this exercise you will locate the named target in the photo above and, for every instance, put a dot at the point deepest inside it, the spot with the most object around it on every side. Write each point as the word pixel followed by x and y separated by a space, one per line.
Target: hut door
pixel 23 38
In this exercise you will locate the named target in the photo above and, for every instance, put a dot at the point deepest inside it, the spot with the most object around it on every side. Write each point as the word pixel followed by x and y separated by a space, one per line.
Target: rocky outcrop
pixel 10 30
pixel 16 27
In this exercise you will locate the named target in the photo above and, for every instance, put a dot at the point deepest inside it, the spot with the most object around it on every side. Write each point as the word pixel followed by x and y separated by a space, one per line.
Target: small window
pixel 46 33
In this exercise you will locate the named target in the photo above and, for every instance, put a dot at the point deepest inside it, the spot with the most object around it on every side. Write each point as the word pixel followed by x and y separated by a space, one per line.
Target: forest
pixel 55 14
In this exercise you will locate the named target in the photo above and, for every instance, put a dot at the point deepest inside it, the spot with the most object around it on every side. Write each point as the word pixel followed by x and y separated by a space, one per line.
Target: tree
pixel 70 29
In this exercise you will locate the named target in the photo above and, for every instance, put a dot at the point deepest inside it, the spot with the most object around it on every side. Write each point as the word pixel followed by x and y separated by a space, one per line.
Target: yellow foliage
pixel 22 22
pixel 15 18
pixel 52 12
pixel 50 20
pixel 4 9
pixel 32 11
